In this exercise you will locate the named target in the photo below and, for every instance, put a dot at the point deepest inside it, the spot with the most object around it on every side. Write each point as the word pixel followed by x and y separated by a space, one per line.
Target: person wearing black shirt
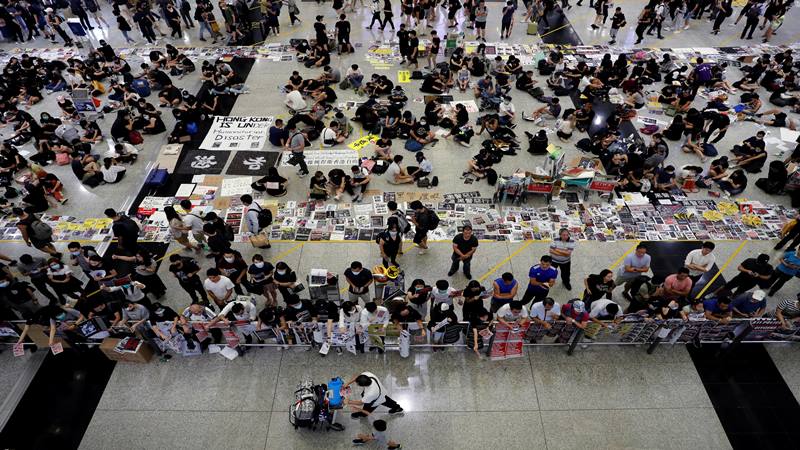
pixel 389 242
pixel 343 34
pixel 598 286
pixel 233 266
pixel 473 300
pixel 423 222
pixel 413 49
pixel 481 321
pixel 160 314
pixel 259 281
pixel 752 272
pixel 285 279
pixel 358 279
pixel 320 31
pixel 185 270
pixel 19 295
pixel 217 242
pixel 297 311
pixel 125 230
pixel 405 314
pixel 464 246
pixel 109 312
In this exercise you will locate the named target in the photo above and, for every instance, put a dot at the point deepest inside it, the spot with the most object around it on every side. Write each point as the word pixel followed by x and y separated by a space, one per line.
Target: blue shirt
pixel 712 306
pixel 276 135
pixel 743 304
pixel 790 257
pixel 542 276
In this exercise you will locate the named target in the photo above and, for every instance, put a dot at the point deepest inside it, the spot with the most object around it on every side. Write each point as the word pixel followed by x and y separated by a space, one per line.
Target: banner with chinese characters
pixel 237 133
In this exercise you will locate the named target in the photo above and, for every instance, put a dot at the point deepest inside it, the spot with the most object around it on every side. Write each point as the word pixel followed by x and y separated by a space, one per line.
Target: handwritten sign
pixel 362 142
pixel 403 76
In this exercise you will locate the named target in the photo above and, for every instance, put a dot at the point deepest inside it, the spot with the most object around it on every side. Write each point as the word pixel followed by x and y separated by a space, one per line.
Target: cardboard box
pixel 143 355
pixel 39 335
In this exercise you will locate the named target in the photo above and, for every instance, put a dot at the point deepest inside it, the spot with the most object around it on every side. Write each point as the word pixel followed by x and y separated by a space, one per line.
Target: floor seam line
pixel 275 392
pixel 538 405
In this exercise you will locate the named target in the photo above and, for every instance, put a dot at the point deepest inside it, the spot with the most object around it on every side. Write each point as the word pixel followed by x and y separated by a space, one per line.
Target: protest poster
pixel 237 133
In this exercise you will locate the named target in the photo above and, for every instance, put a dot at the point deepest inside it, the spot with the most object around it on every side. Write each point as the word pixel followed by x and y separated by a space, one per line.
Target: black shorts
pixel 39 243
pixel 480 25
pixel 420 234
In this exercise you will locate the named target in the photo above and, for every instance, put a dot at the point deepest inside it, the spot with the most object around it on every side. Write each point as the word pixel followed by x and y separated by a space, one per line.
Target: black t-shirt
pixel 218 243
pixel 182 273
pixel 755 142
pixel 753 265
pixel 412 316
pixel 319 29
pixel 597 287
pixel 412 44
pixel 336 176
pixel 343 28
pixel 126 229
pixel 327 310
pixel 270 315
pixel 289 277
pixel 232 270
pixel 465 245
pixel 304 313
pixel 162 314
pixel 422 130
pixel 360 280
pixel 261 275
pixel 17 292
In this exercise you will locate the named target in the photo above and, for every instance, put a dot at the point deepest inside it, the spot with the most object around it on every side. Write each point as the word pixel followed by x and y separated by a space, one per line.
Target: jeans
pixel 204 26
pixel 187 19
pixel 456 260
pixel 127 38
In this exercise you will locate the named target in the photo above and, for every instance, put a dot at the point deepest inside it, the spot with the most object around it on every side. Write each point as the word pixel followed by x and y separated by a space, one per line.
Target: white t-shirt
pixel 392 172
pixel 110 173
pixel 295 100
pixel 697 258
pixel 508 315
pixel 220 288
pixel 194 221
pixel 538 311
pixel 507 109
pixel 599 308
pixel 328 137
pixel 442 297
pixel 375 393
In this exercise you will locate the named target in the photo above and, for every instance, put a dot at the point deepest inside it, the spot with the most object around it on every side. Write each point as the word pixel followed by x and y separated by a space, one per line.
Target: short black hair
pixel 371 307
pixel 612 308
pixel 175 258
pixel 709 245
pixel 508 276
pixel 546 258
pixel 246 198
pixel 356 265
pixel 213 272
pixel 110 213
pixel 683 270
pixel 515 304
pixel 641 245
pixel 380 425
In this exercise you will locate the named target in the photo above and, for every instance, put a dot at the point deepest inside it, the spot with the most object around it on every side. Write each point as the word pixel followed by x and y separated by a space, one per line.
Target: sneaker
pixel 450 274
pixel 357 415
pixel 422 251
pixel 302 174
pixel 395 410
pixel 358 442
pixel 468 276
pixel 567 286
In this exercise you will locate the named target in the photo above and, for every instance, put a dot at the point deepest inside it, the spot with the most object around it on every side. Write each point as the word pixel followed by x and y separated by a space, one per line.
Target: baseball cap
pixel 759 295
pixel 578 306
pixel 48 10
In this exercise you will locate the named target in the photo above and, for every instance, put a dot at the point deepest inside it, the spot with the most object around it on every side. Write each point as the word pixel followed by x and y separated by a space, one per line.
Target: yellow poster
pixel 403 76
pixel 362 142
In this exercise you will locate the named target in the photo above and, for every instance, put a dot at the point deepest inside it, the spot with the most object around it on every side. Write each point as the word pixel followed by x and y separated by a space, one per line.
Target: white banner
pixel 327 157
pixel 237 133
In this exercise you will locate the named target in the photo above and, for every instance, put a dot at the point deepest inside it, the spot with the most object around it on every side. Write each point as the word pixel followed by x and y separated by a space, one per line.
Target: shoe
pixel 567 286
pixel 468 276
pixel 612 42
pixel 358 442
pixel 422 251
pixel 202 39
pixel 357 415
pixel 395 410
pixel 302 174
pixel 451 273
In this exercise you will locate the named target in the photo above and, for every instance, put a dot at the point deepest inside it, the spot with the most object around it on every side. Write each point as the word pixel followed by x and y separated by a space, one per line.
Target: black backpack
pixel 433 219
pixel 264 217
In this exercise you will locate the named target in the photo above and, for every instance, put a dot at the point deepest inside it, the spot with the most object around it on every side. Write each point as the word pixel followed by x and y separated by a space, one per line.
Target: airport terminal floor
pixel 699 349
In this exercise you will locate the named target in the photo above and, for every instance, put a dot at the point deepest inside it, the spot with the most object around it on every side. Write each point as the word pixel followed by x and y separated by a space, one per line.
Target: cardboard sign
pixel 403 76
pixel 363 141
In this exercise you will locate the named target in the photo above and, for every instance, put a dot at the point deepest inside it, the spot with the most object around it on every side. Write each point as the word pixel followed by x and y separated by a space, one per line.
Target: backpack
pixel 433 219
pixel 303 412
pixel 264 217
pixel 402 222
pixel 40 230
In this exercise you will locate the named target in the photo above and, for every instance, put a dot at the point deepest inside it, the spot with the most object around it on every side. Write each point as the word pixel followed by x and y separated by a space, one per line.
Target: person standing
pixel 645 18
pixel 507 21
pixel 35 232
pixel 724 10
pixel 376 14
pixel 788 267
pixel 481 15
pixel 372 396
pixel 76 6
pixel 54 21
pixel 387 15
pixel 659 14
pixel 389 242
pixel 424 221
pixel 617 22
pixel 635 264
pixel 343 34
pixel 255 220
pixel 541 278
pixel 144 19
pixel 358 280
pixel 752 272
pixel 752 16
pixel 504 290
pixel 433 50
pixel 297 144
pixel 464 246
pixel 193 221
pixel 186 9
pixel 700 261
pixel 185 271
pixel 790 232
pixel 36 269
pixel 561 252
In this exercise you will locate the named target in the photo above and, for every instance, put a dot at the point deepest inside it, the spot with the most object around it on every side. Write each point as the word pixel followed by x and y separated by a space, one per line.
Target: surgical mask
pixel 393 234
pixel 281 272
pixel 259 264
pixel 299 305
pixel 61 316
pixel 673 306
pixel 356 272
pixel 55 266
pixel 230 260
pixel 75 253
pixel 4 284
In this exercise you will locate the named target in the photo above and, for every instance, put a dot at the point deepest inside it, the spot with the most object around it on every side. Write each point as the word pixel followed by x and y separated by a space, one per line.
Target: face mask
pixel 356 272
pixel 159 312
pixel 61 316
pixel 299 305
pixel 673 306
pixel 393 234
pixel 259 264
pixel 75 253
pixel 230 260
pixel 55 266
pixel 281 272
pixel 4 284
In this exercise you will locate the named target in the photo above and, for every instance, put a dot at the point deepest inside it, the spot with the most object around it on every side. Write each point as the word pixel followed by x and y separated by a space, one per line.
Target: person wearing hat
pixel 54 21
pixel 575 313
pixel 749 304
pixel 752 272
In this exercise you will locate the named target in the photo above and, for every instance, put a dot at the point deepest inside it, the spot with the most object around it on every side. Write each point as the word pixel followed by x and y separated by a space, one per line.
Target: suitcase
pixel 533 28
pixel 156 178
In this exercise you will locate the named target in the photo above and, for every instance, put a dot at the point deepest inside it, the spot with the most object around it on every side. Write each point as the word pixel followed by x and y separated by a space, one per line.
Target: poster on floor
pixel 332 157
pixel 237 133
pixel 507 342
pixel 205 162
pixel 252 163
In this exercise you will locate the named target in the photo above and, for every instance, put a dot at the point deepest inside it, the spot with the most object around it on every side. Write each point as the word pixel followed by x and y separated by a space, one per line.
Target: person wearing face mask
pixel 350 322
pixel 359 280
pixel 670 309
pixel 36 269
pixel 185 270
pixel 389 243
pixel 372 314
pixel 420 136
pixel 19 295
pixel 260 280
pixel 59 321
pixel 464 246
pixel 234 267
pixel 62 280
pixel 133 292
pixel 145 272
pixel 418 296
pixel 297 311
pixel 285 279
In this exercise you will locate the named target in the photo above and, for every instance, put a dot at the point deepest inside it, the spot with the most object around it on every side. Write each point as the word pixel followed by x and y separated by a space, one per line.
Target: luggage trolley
pixel 389 283
pixel 323 285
